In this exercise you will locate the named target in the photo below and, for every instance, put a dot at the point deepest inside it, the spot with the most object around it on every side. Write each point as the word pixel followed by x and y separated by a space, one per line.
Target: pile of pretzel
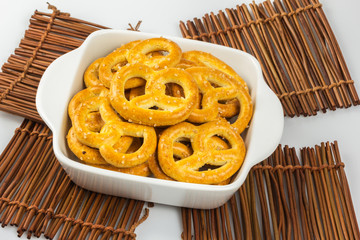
pixel 150 109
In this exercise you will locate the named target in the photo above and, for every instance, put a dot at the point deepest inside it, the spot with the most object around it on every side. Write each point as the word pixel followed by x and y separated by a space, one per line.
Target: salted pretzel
pixel 84 95
pixel 91 138
pixel 121 129
pixel 206 59
pixel 140 53
pixel 139 170
pixel 182 151
pixel 82 151
pixel 93 157
pixel 226 162
pixel 111 64
pixel 141 109
pixel 226 88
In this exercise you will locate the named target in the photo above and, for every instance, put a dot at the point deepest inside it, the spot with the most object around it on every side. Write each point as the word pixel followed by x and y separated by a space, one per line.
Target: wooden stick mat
pixel 49 36
pixel 50 204
pixel 38 197
pixel 285 197
pixel 293 41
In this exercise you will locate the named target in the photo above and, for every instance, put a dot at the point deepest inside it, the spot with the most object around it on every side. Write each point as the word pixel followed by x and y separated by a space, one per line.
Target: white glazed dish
pixel 64 78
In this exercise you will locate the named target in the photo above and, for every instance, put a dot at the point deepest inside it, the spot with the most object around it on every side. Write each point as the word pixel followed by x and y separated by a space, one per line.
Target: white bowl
pixel 64 78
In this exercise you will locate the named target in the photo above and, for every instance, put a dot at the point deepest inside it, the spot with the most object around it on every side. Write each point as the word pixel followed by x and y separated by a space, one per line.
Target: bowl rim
pixel 245 168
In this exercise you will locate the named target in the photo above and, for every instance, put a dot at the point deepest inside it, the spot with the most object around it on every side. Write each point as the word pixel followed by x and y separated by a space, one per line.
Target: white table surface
pixel 162 17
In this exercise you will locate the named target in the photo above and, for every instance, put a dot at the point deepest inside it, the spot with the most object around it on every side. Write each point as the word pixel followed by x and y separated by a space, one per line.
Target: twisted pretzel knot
pixel 182 151
pixel 93 157
pixel 139 53
pixel 227 161
pixel 139 109
pixel 122 129
pixel 226 88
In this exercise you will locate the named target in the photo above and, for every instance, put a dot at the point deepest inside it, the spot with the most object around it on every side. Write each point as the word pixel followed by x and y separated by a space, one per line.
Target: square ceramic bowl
pixel 64 78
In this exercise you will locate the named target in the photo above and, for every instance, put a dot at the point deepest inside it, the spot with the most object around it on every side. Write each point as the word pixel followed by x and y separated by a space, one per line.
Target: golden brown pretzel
pixel 140 53
pixel 83 95
pixel 139 170
pixel 110 64
pixel 227 161
pixel 91 138
pixel 206 59
pixel 121 129
pixel 180 151
pixel 83 152
pixel 141 109
pixel 113 62
pixel 226 89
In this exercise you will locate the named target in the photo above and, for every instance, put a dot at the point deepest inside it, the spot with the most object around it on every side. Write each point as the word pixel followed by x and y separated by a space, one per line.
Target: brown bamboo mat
pixel 285 197
pixel 39 198
pixel 49 36
pixel 293 41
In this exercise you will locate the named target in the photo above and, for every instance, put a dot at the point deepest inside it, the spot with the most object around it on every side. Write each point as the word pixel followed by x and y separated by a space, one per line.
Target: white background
pixel 162 17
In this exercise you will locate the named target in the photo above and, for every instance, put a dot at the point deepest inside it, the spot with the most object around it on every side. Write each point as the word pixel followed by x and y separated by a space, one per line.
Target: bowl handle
pixel 269 125
pixel 50 84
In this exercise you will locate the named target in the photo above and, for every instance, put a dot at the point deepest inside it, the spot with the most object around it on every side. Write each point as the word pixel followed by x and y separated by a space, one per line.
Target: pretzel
pixel 84 134
pixel 83 152
pixel 206 59
pixel 82 96
pixel 121 158
pixel 227 161
pixel 92 156
pixel 182 151
pixel 139 109
pixel 140 53
pixel 226 89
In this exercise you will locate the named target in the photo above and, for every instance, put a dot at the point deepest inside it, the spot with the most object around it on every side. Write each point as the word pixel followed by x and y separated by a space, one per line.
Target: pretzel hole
pixel 94 122
pixel 160 53
pixel 118 66
pixel 208 167
pixel 183 149
pixel 219 143
pixel 214 85
pixel 135 145
pixel 174 90
pixel 155 108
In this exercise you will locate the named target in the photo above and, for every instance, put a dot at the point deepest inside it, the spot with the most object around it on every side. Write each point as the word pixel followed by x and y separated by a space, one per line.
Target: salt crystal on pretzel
pixel 141 109
pixel 188 169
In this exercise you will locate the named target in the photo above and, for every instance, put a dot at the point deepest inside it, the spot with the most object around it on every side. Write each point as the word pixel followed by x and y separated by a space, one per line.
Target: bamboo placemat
pixel 60 207
pixel 49 36
pixel 285 197
pixel 38 197
pixel 293 41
